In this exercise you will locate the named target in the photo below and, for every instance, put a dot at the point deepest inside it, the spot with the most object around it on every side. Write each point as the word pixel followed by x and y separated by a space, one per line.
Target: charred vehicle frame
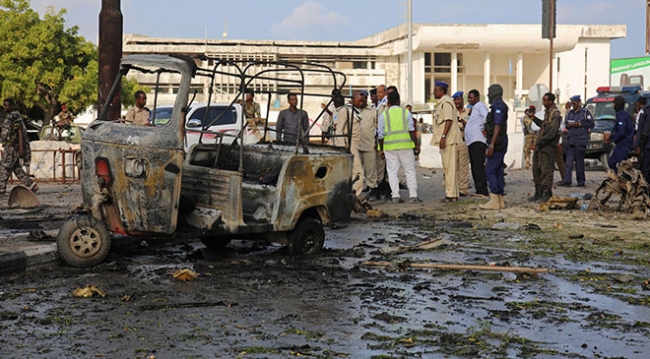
pixel 139 181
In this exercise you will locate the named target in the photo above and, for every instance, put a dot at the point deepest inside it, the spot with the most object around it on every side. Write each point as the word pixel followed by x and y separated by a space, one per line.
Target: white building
pixel 466 56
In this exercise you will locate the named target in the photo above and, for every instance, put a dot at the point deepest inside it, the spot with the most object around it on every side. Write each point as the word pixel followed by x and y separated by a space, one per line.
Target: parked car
pixel 139 180
pixel 602 108
pixel 33 130
pixel 70 135
pixel 222 118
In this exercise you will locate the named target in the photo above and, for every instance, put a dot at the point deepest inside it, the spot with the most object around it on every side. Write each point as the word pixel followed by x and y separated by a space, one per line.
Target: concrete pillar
pixel 454 72
pixel 520 76
pixel 486 73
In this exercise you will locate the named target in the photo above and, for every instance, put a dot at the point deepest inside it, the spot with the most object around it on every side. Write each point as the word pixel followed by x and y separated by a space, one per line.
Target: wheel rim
pixel 85 242
pixel 310 242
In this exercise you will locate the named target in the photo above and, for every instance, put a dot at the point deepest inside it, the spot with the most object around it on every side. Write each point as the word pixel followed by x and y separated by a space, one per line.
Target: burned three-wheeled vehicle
pixel 140 181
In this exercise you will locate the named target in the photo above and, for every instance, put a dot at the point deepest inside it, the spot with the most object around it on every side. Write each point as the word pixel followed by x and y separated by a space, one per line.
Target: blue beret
pixel 457 94
pixel 364 93
pixel 575 98
pixel 441 84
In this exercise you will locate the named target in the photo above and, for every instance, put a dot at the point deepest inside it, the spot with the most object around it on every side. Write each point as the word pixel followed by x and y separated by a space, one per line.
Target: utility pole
pixel 409 56
pixel 110 52
pixel 550 51
pixel 647 27
pixel 549 9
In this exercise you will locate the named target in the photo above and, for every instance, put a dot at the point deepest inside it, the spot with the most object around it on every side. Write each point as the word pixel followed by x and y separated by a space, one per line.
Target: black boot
pixel 546 195
pixel 373 195
pixel 538 195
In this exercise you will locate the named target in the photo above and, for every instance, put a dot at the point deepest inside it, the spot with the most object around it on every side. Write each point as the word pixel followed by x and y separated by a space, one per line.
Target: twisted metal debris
pixel 626 192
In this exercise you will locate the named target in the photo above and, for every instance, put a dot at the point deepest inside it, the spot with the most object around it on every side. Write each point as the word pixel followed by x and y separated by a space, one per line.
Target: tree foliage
pixel 43 63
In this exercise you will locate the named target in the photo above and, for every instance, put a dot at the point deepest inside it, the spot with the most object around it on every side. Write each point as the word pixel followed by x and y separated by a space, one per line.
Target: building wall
pixel 584 68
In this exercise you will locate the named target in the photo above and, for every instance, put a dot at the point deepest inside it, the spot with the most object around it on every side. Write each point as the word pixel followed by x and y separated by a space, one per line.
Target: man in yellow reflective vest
pixel 397 139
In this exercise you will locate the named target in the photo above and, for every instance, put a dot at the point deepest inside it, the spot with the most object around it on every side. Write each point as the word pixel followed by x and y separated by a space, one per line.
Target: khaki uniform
pixel 138 116
pixel 463 155
pixel 445 111
pixel 363 148
pixel 342 128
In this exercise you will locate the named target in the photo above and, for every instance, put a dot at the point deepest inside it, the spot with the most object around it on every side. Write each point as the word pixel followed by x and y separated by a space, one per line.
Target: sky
pixel 342 20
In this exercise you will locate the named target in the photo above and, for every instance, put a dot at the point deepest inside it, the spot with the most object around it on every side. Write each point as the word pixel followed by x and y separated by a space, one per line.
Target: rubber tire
pixel 604 158
pixel 216 242
pixel 83 230
pixel 307 238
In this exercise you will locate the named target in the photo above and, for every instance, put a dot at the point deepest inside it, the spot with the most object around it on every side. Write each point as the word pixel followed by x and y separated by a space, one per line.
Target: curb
pixel 28 259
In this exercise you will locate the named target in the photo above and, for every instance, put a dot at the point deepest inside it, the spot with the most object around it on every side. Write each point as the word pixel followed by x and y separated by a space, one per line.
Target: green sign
pixel 633 71
pixel 623 65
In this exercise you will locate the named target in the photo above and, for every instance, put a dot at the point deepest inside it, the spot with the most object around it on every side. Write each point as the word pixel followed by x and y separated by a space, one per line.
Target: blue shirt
pixel 475 124
pixel 500 111
pixel 578 136
pixel 381 123
pixel 623 132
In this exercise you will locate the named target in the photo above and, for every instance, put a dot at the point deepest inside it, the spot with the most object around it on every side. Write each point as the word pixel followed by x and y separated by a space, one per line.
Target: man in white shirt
pixel 475 141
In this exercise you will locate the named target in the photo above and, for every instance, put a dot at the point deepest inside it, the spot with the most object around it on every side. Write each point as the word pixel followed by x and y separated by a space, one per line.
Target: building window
pixel 441 62
pixel 427 62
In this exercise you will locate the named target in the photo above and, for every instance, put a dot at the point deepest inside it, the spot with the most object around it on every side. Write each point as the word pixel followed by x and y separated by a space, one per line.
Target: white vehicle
pixel 221 118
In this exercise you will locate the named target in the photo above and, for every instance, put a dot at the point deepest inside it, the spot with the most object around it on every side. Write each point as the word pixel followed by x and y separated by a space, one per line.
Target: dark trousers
pixel 494 172
pixel 645 165
pixel 477 163
pixel 543 159
pixel 618 155
pixel 577 154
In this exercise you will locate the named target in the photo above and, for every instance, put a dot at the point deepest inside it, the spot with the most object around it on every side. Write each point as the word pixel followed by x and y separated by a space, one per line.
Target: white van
pixel 223 118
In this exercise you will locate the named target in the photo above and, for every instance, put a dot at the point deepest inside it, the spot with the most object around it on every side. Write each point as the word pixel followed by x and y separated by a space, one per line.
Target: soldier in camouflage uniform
pixel 12 134
pixel 544 150
pixel 530 134
pixel 65 118
pixel 251 108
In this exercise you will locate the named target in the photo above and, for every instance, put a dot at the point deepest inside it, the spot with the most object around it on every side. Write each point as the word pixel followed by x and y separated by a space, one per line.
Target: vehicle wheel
pixel 216 242
pixel 307 238
pixel 604 158
pixel 83 241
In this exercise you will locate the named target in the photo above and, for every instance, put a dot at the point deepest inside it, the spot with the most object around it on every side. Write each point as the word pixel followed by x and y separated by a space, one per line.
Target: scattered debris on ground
pixel 559 203
pixel 186 275
pixel 88 291
pixel 431 244
pixel 490 268
pixel 629 187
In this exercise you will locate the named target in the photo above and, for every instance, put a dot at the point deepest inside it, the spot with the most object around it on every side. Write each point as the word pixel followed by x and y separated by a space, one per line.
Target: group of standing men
pixel 476 138
pixel 383 139
pixel 574 130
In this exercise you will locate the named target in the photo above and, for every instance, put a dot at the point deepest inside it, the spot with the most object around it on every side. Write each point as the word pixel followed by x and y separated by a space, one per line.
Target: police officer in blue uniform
pixel 622 135
pixel 578 122
pixel 496 128
pixel 642 142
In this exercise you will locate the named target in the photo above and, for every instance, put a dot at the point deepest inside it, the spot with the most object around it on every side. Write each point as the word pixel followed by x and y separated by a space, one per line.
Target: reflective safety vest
pixel 396 129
